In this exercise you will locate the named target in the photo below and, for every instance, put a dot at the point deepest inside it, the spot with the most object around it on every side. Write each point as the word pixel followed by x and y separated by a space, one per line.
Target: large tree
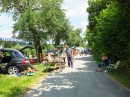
pixel 95 6
pixel 74 37
pixel 37 20
pixel 112 33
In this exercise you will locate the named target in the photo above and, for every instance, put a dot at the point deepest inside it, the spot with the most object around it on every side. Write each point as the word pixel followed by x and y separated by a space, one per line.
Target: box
pixel 30 73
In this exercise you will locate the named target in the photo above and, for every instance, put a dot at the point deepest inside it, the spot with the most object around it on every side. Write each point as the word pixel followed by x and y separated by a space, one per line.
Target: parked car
pixel 32 60
pixel 13 61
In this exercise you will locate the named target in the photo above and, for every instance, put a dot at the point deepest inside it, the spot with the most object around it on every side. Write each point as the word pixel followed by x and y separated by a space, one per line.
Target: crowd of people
pixel 70 53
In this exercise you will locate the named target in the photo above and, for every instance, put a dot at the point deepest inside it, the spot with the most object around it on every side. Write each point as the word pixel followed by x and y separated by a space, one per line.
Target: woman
pixel 104 60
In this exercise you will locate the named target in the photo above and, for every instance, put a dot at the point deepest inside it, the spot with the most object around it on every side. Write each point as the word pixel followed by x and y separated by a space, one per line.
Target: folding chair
pixel 113 66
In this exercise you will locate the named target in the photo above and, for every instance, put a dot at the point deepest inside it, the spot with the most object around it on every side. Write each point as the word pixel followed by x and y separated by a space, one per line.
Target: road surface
pixel 80 81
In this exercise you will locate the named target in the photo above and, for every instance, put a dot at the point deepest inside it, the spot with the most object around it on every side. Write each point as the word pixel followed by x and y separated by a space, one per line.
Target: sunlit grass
pixel 12 86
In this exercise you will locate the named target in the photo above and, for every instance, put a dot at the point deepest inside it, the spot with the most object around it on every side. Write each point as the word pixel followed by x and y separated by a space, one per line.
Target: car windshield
pixel 18 54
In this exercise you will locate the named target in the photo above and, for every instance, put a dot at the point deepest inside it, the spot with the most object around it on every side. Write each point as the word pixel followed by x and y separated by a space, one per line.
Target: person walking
pixel 69 56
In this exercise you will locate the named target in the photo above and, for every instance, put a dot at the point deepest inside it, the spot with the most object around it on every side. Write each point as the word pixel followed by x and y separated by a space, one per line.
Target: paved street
pixel 80 81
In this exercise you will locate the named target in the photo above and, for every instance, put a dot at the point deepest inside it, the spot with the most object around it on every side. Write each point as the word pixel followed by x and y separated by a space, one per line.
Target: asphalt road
pixel 80 81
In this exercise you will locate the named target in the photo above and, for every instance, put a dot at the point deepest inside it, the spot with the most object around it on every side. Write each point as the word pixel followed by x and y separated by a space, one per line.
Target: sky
pixel 75 11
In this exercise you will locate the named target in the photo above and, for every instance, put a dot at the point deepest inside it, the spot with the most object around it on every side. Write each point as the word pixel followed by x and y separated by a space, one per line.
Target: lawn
pixel 121 78
pixel 12 86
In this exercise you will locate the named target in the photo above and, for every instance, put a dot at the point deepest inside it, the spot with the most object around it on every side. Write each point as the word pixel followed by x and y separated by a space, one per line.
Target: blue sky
pixel 75 10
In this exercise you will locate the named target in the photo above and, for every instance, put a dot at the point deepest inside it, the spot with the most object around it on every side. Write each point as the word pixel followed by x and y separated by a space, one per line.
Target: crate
pixel 30 73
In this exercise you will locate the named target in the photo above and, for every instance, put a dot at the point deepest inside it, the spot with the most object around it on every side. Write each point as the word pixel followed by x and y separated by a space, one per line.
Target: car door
pixel 5 58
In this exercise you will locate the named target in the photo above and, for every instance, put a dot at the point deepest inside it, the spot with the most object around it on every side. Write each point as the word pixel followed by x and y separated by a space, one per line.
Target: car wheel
pixel 13 70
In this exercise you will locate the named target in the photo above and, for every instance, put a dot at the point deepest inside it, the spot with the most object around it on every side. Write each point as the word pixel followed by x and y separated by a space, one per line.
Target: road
pixel 80 81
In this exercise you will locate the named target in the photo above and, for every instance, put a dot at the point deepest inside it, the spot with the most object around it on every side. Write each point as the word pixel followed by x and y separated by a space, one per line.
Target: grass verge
pixel 121 78
pixel 13 86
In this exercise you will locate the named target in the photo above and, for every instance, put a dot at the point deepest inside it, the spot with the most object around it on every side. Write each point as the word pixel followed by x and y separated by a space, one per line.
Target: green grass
pixel 121 78
pixel 12 86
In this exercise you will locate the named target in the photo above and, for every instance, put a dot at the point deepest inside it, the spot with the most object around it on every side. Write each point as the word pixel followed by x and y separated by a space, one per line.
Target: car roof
pixel 8 49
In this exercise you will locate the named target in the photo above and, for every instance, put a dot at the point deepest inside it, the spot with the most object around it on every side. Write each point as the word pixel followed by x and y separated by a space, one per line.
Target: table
pixel 54 62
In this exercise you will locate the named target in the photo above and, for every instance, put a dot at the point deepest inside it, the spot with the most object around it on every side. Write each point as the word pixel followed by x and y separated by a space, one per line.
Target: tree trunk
pixel 38 49
pixel 57 40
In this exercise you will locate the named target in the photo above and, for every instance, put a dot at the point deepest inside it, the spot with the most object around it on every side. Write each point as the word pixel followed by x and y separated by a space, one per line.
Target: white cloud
pixel 79 11
pixel 83 25
pixel 76 11
pixel 4 19
pixel 6 24
pixel 6 33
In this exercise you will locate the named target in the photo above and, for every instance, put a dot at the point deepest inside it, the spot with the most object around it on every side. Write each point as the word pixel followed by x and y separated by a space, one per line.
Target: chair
pixel 113 66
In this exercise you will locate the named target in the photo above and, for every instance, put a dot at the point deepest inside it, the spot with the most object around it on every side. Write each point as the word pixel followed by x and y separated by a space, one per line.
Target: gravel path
pixel 80 81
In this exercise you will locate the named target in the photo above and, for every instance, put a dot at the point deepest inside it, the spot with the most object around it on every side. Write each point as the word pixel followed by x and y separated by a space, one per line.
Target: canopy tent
pixel 73 47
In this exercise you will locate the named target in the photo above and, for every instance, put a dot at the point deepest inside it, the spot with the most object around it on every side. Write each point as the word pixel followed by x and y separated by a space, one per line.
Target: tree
pixel 95 6
pixel 74 37
pixel 36 20
pixel 112 34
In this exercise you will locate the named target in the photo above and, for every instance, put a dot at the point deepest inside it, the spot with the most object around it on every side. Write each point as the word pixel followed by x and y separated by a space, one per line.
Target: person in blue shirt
pixel 103 63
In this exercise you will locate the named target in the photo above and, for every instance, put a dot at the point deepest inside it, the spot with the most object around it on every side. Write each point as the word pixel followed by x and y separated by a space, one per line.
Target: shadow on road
pixel 80 81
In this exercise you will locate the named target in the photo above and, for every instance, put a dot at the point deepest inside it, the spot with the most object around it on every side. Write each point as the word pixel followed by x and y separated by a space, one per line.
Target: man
pixel 69 56
pixel 64 53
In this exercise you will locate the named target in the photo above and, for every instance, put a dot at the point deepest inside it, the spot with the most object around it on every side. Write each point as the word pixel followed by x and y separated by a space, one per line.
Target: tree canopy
pixel 108 30
pixel 39 21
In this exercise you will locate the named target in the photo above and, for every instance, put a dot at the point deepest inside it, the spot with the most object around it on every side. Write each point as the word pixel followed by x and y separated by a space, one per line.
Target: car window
pixel 17 54
pixel 7 54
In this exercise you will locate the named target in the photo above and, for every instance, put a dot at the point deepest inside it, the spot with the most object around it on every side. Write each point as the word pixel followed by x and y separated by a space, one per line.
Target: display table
pixel 56 62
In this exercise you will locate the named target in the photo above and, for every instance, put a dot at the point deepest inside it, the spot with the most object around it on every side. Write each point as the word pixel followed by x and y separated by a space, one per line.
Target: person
pixel 69 56
pixel 49 58
pixel 85 51
pixel 64 54
pixel 73 54
pixel 104 60
pixel 81 53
